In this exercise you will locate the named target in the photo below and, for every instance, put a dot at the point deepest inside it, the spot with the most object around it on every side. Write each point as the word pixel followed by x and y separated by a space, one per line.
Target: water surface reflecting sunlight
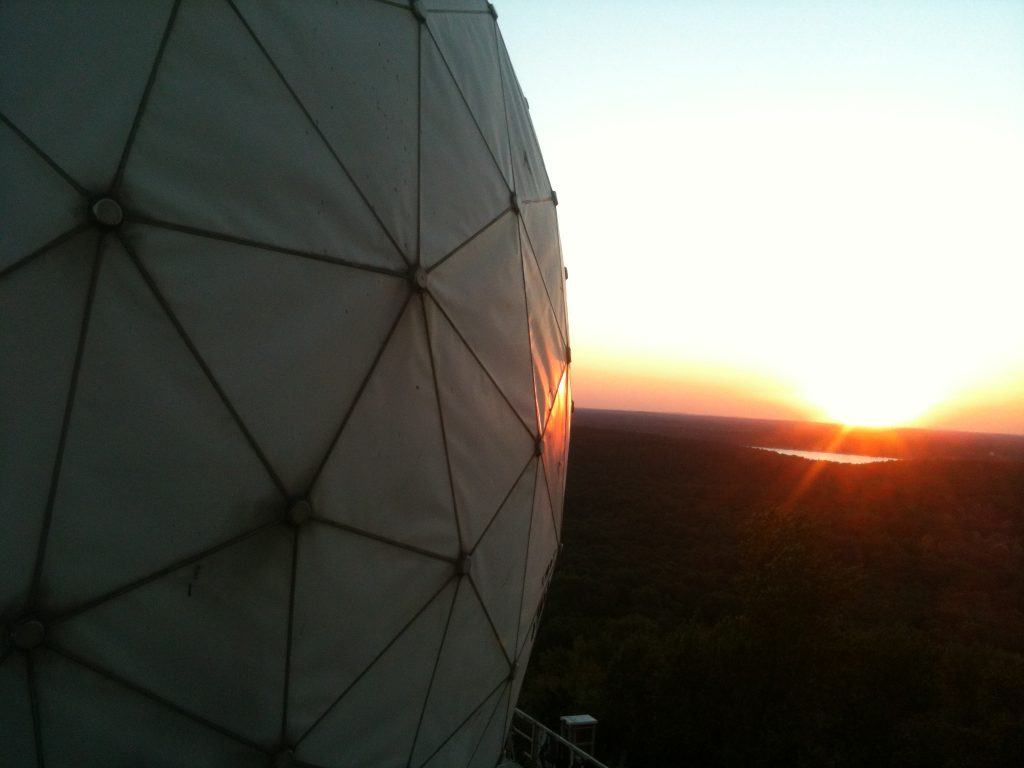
pixel 842 458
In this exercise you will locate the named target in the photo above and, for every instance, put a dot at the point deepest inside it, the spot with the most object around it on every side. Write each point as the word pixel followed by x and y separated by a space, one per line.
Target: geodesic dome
pixel 284 391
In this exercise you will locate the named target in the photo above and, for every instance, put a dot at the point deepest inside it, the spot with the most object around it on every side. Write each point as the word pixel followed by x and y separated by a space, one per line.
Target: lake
pixel 842 458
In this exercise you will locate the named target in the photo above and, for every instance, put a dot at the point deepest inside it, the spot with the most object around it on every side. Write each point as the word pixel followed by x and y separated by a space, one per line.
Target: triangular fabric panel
pixel 554 451
pixel 455 6
pixel 290 350
pixel 131 635
pixel 488 750
pixel 527 163
pixel 461 748
pixel 365 726
pixel 468 43
pixel 483 470
pixel 43 304
pixel 549 350
pixel 148 435
pixel 342 582
pixel 460 688
pixel 463 188
pixel 105 52
pixel 528 637
pixel 98 721
pixel 396 487
pixel 542 228
pixel 539 560
pixel 17 734
pixel 496 329
pixel 34 195
pixel 356 73
pixel 500 557
pixel 223 146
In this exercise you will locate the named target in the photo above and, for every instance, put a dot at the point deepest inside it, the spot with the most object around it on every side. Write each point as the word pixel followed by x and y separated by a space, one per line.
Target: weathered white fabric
pixel 284 418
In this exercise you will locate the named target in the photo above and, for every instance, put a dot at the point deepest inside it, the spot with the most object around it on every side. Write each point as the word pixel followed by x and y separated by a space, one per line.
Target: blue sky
pixel 806 207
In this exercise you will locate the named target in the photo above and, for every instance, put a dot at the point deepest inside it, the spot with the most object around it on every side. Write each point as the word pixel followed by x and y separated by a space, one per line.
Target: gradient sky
pixel 809 209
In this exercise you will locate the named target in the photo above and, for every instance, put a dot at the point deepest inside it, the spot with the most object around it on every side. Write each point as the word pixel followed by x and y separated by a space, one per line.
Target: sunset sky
pixel 787 209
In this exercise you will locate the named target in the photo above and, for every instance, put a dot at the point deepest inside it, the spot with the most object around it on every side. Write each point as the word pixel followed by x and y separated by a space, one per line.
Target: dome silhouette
pixel 285 392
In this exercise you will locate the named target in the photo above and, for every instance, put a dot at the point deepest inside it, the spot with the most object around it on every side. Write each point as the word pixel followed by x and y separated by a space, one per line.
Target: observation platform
pixel 532 744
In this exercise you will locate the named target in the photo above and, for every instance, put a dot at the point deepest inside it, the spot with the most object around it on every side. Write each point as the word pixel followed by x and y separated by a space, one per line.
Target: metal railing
pixel 534 745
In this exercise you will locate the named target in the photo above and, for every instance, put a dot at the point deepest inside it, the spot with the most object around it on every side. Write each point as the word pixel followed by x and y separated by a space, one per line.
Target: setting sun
pixel 865 399
pixel 873 383
pixel 812 221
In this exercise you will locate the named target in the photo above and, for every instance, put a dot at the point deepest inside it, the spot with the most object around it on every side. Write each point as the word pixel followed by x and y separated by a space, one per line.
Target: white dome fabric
pixel 285 390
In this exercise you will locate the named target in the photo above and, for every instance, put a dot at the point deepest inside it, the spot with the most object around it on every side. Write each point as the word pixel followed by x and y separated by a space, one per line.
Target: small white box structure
pixel 284 383
pixel 580 731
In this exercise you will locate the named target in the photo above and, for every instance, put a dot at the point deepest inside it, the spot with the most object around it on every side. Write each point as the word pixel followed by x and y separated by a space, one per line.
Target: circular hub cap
pixel 107 212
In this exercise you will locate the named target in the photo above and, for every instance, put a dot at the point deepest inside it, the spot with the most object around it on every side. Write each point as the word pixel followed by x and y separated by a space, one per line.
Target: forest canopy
pixel 716 605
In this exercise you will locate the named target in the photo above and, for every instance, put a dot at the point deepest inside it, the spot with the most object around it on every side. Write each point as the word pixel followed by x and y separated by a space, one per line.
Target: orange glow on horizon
pixel 827 389
pixel 627 381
